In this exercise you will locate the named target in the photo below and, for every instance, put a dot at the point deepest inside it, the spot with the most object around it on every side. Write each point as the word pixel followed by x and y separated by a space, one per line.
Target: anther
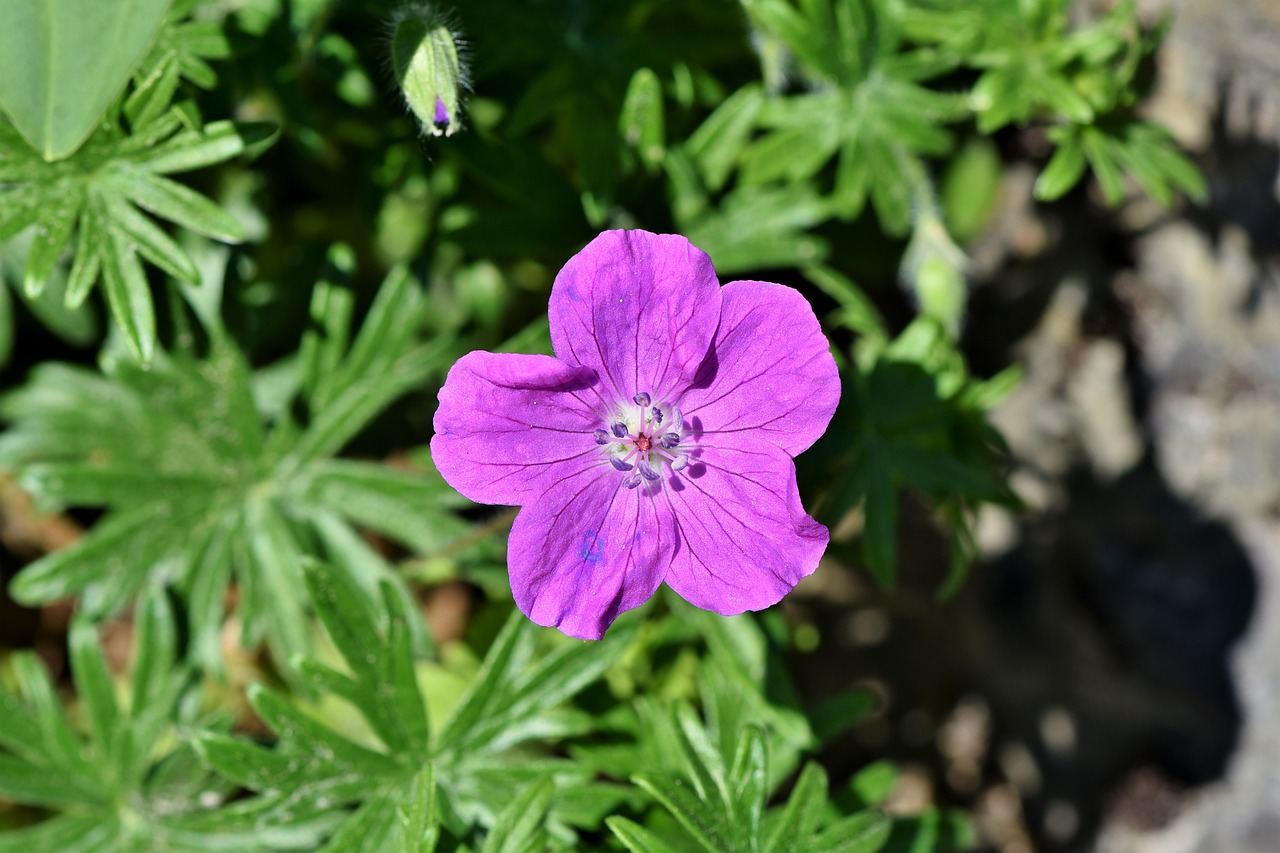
pixel 642 399
pixel 677 420
pixel 647 472
pixel 632 481
pixel 602 437
pixel 680 463
pixel 668 440
pixel 619 464
pixel 657 415
pixel 619 430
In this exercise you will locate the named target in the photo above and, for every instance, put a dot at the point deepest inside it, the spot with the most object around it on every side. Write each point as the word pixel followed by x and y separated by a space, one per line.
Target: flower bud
pixel 427 59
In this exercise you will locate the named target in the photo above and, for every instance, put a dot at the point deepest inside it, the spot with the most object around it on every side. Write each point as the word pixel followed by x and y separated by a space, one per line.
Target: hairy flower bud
pixel 428 59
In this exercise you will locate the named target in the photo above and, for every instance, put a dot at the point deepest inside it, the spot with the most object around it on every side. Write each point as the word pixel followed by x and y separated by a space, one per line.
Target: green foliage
pixel 911 419
pixel 719 800
pixel 1034 66
pixel 93 198
pixel 457 776
pixel 130 782
pixel 203 485
pixel 98 196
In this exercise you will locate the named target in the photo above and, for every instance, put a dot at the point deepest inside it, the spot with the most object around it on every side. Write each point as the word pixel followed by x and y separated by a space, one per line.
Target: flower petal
pixel 586 552
pixel 509 426
pixel 638 308
pixel 744 538
pixel 769 375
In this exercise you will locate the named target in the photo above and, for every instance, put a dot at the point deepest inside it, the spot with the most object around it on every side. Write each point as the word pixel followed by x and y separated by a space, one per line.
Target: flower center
pixel 640 442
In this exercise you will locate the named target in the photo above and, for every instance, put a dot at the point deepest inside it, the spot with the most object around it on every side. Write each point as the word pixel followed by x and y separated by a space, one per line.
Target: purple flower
pixel 656 446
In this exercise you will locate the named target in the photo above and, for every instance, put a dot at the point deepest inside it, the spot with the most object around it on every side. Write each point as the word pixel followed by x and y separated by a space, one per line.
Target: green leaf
pixel 636 838
pixel 153 93
pixel 718 142
pixel 19 209
pixel 57 218
pixel 89 251
pixel 857 311
pixel 748 781
pixel 641 121
pixel 111 550
pixel 420 819
pixel 1064 170
pixel 1101 153
pixel 174 202
pixel 129 295
pixel 705 827
pixel 873 784
pixel 214 143
pixel 865 832
pixel 66 833
pixel 40 786
pixel 409 506
pixel 800 816
pixel 152 243
pixel 509 654
pixel 62 62
pixel 96 692
pixel 519 828
pixel 383 666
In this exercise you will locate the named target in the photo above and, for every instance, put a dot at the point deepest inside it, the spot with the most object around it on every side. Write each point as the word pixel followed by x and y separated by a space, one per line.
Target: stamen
pixel 619 464
pixel 602 437
pixel 677 420
pixel 619 430
pixel 668 441
pixel 680 463
pixel 632 481
pixel 642 399
pixel 647 472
